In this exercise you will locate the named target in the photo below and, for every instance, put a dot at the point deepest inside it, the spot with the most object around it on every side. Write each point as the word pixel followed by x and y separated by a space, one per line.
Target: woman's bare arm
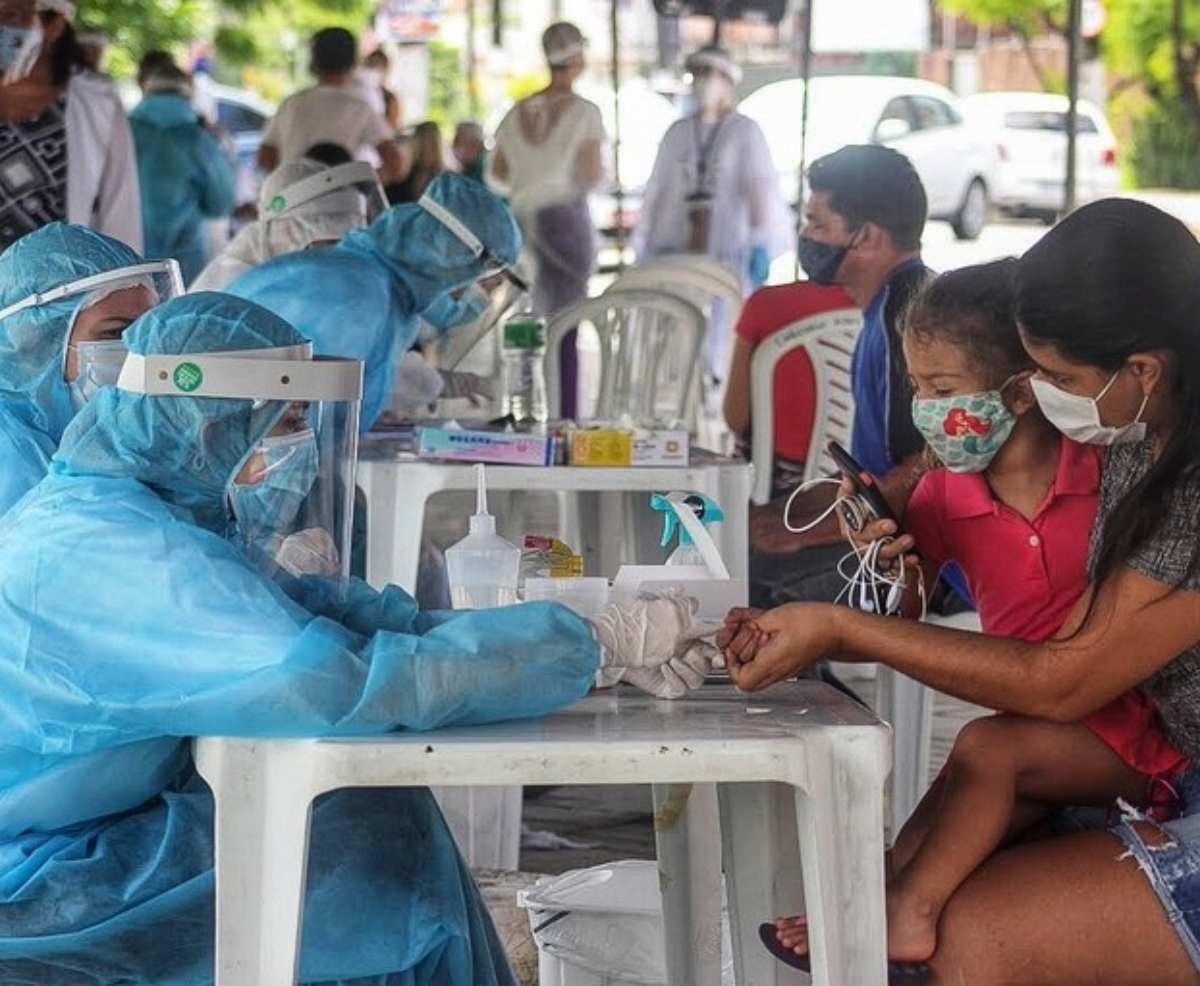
pixel 1136 627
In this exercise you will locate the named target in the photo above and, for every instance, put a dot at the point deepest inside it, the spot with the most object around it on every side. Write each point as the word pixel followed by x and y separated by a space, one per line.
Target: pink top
pixel 1026 576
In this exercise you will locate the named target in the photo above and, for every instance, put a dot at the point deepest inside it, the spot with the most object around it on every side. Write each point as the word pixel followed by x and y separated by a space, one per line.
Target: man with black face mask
pixel 863 223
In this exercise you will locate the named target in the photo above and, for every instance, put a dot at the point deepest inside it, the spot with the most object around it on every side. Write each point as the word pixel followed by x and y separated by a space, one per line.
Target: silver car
pixel 955 159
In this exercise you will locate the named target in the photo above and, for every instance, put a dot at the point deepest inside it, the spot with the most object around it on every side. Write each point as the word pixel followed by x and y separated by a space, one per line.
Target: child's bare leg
pixel 1001 767
pixel 912 835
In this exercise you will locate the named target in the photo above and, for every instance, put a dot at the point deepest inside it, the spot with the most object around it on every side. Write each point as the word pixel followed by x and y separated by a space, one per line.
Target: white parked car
pixel 922 120
pixel 1030 130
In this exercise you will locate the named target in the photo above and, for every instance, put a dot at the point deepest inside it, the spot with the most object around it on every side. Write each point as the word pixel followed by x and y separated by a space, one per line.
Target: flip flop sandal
pixel 899 973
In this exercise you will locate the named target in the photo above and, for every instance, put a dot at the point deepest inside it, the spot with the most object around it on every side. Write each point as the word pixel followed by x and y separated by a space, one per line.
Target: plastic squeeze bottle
pixel 706 511
pixel 483 568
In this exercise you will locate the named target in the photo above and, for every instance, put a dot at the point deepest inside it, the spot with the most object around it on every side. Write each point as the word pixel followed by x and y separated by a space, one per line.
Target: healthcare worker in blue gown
pixel 66 295
pixel 140 604
pixel 436 262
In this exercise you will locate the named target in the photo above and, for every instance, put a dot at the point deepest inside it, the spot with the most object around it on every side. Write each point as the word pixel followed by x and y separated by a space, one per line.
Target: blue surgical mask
pixel 99 365
pixel 266 510
pixel 821 261
pixel 965 431
pixel 448 313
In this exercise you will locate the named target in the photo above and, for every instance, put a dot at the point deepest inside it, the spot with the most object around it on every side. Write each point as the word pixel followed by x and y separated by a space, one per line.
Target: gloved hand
pixel 671 680
pixel 417 385
pixel 468 385
pixel 644 633
pixel 759 267
pixel 309 552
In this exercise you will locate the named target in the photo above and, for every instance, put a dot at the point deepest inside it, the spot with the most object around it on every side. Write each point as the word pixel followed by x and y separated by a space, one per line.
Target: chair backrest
pixel 702 280
pixel 699 262
pixel 638 331
pixel 829 339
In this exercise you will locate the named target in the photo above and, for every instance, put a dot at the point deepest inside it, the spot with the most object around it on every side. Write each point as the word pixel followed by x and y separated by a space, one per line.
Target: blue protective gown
pixel 35 402
pixel 362 298
pixel 185 178
pixel 128 624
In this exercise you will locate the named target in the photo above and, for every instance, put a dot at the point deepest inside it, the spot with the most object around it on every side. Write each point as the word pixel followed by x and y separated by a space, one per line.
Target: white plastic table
pixel 398 488
pixel 804 736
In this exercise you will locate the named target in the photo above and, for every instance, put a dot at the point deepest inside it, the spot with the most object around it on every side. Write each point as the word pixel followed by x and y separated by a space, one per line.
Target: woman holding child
pixel 1107 706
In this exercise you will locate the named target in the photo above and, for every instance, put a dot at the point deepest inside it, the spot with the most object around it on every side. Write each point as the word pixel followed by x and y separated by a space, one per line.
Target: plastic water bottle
pixel 524 367
pixel 483 568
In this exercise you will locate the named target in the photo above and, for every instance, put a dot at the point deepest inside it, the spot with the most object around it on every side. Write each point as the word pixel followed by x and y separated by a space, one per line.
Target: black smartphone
pixel 865 485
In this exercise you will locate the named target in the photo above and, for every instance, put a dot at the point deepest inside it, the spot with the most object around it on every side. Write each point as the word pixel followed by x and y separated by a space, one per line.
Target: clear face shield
pixel 494 293
pixel 106 305
pixel 341 189
pixel 292 495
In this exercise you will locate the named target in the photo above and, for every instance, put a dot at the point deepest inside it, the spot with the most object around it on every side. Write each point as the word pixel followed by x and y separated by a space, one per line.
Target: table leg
pixel 395 523
pixel 763 879
pixel 591 538
pixel 732 490
pixel 839 808
pixel 260 862
pixel 906 705
pixel 686 820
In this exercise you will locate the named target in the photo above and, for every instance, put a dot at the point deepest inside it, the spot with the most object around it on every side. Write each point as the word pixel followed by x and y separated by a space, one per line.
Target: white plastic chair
pixel 711 762
pixel 710 267
pixel 829 339
pixel 700 280
pixel 638 331
pixel 718 291
pixel 908 706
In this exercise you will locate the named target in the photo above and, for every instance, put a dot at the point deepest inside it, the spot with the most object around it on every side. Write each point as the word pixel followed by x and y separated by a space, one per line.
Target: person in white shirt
pixel 332 111
pixel 66 152
pixel 548 157
pixel 714 190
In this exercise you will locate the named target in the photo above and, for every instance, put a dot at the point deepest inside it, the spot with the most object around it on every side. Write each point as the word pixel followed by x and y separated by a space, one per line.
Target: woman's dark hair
pixel 1116 278
pixel 66 57
pixel 974 308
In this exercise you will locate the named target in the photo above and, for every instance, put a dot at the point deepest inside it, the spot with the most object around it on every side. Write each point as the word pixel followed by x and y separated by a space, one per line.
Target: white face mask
pixel 713 94
pixel 99 365
pixel 1078 417
pixel 20 48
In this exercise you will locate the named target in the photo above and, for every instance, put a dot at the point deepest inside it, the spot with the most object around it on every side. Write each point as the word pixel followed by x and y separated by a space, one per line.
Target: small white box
pixel 716 596
pixel 661 448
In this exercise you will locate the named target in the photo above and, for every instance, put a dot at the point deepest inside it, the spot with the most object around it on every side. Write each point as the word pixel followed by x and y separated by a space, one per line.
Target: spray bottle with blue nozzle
pixel 706 511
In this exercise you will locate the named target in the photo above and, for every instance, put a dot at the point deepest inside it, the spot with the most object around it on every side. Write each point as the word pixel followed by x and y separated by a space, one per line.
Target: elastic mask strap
pixel 452 223
pixel 1107 387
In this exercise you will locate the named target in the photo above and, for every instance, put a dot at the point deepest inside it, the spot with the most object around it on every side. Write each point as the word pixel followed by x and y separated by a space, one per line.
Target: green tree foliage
pixel 1152 51
pixel 1031 17
pixel 448 102
pixel 137 26
pixel 268 38
pixel 1152 48
pixel 1025 18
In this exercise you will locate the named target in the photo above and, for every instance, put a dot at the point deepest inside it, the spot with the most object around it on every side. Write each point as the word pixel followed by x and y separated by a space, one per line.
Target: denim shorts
pixel 1174 867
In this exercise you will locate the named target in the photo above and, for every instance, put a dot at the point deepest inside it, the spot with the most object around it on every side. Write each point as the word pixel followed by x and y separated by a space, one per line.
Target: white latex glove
pixel 417 385
pixel 644 633
pixel 309 552
pixel 469 385
pixel 675 678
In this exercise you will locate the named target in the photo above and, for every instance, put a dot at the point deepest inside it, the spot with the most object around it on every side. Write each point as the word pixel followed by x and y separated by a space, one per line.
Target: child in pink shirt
pixel 1014 505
